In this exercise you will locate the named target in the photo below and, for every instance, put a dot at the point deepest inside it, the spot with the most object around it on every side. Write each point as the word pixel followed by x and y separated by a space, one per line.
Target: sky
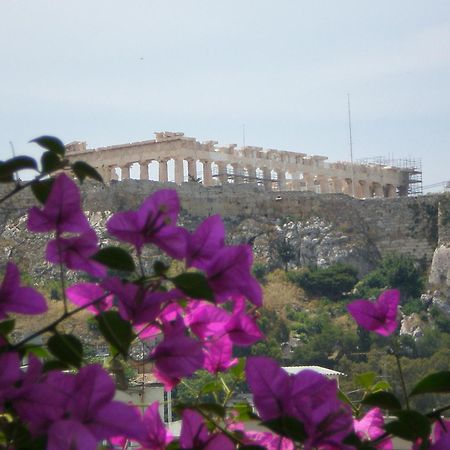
pixel 109 72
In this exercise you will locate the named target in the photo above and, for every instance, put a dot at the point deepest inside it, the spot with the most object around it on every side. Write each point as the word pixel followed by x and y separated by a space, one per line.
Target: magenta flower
pixel 154 222
pixel 381 316
pixel 195 434
pixel 10 374
pixel 17 299
pixel 207 320
pixel 218 354
pixel 204 242
pixel 370 427
pixel 157 437
pixel 78 411
pixel 229 274
pixel 75 253
pixel 308 397
pixel 62 210
pixel 83 294
pixel 177 356
pixel 242 328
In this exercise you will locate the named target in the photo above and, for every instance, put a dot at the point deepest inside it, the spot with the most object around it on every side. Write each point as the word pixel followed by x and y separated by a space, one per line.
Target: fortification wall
pixel 407 225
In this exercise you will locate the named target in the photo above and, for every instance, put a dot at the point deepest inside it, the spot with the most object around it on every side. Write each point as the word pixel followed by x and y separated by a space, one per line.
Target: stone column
pixel 238 173
pixel 267 178
pixel 323 183
pixel 143 170
pixel 281 177
pixel 192 170
pixel 309 181
pixel 223 175
pixel 363 189
pixel 126 172
pixel 179 171
pixel 378 190
pixel 251 174
pixel 348 187
pixel 207 173
pixel 337 185
pixel 163 171
pixel 113 173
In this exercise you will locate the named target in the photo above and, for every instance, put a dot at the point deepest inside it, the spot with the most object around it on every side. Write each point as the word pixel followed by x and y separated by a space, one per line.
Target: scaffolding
pixel 412 166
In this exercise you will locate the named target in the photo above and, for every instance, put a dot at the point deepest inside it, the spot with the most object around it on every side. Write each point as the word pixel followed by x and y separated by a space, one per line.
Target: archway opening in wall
pixel 230 173
pixel 274 179
pixel 171 170
pixel 185 171
pixel 135 171
pixel 153 171
pixel 289 181
pixel 200 171
pixel 119 173
pixel 259 176
pixel 245 175
pixel 215 173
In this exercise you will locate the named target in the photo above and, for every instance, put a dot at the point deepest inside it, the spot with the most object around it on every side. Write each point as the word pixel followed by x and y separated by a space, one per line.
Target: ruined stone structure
pixel 205 162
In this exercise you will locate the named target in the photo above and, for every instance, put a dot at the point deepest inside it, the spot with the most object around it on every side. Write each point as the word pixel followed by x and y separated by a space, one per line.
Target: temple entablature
pixel 171 156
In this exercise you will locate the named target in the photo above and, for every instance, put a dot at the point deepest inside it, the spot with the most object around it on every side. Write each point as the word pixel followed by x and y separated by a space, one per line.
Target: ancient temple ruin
pixel 175 157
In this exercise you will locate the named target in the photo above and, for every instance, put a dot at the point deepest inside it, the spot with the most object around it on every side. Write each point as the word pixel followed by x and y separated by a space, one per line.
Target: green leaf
pixel 55 364
pixel 115 258
pixel 381 385
pixel 211 386
pixel 438 382
pixel 238 370
pixel 50 162
pixel 116 331
pixel 82 170
pixel 67 348
pixel 194 285
pixel 34 349
pixel 52 144
pixel 7 326
pixel 7 168
pixel 288 427
pixel 366 380
pixel 410 426
pixel 211 408
pixel 41 189
pixel 244 412
pixel 382 399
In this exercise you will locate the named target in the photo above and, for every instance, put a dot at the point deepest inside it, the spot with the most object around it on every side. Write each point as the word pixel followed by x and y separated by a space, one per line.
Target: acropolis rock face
pixel 212 165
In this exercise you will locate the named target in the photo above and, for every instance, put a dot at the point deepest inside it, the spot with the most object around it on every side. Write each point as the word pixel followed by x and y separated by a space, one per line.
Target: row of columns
pixel 305 181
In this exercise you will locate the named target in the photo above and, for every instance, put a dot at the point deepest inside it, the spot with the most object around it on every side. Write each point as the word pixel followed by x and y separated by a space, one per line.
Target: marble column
pixel 163 178
pixel 179 171
pixel 267 178
pixel 337 185
pixel 251 174
pixel 192 169
pixel 207 173
pixel 281 177
pixel 126 172
pixel 309 182
pixel 223 175
pixel 143 170
pixel 323 183
pixel 238 173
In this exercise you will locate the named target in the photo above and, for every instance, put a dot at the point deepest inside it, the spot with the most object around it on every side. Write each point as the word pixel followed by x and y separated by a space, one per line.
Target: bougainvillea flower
pixel 62 209
pixel 157 437
pixel 17 299
pixel 207 320
pixel 90 414
pixel 83 294
pixel 229 274
pixel 379 317
pixel 204 242
pixel 270 386
pixel 195 435
pixel 154 222
pixel 75 253
pixel 177 356
pixel 135 303
pixel 9 374
pixel 242 328
pixel 218 354
pixel 307 396
pixel 370 427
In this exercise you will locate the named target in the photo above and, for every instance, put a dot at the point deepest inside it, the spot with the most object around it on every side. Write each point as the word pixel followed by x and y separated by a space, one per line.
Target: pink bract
pixel 62 211
pixel 17 299
pixel 379 317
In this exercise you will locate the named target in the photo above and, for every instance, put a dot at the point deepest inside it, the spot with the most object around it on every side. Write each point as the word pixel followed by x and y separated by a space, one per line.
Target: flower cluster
pixel 188 321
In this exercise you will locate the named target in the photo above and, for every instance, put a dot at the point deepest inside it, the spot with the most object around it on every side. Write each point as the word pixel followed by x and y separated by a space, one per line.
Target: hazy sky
pixel 110 71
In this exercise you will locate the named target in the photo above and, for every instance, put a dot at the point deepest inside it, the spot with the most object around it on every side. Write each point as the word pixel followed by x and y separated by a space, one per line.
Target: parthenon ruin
pixel 174 157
